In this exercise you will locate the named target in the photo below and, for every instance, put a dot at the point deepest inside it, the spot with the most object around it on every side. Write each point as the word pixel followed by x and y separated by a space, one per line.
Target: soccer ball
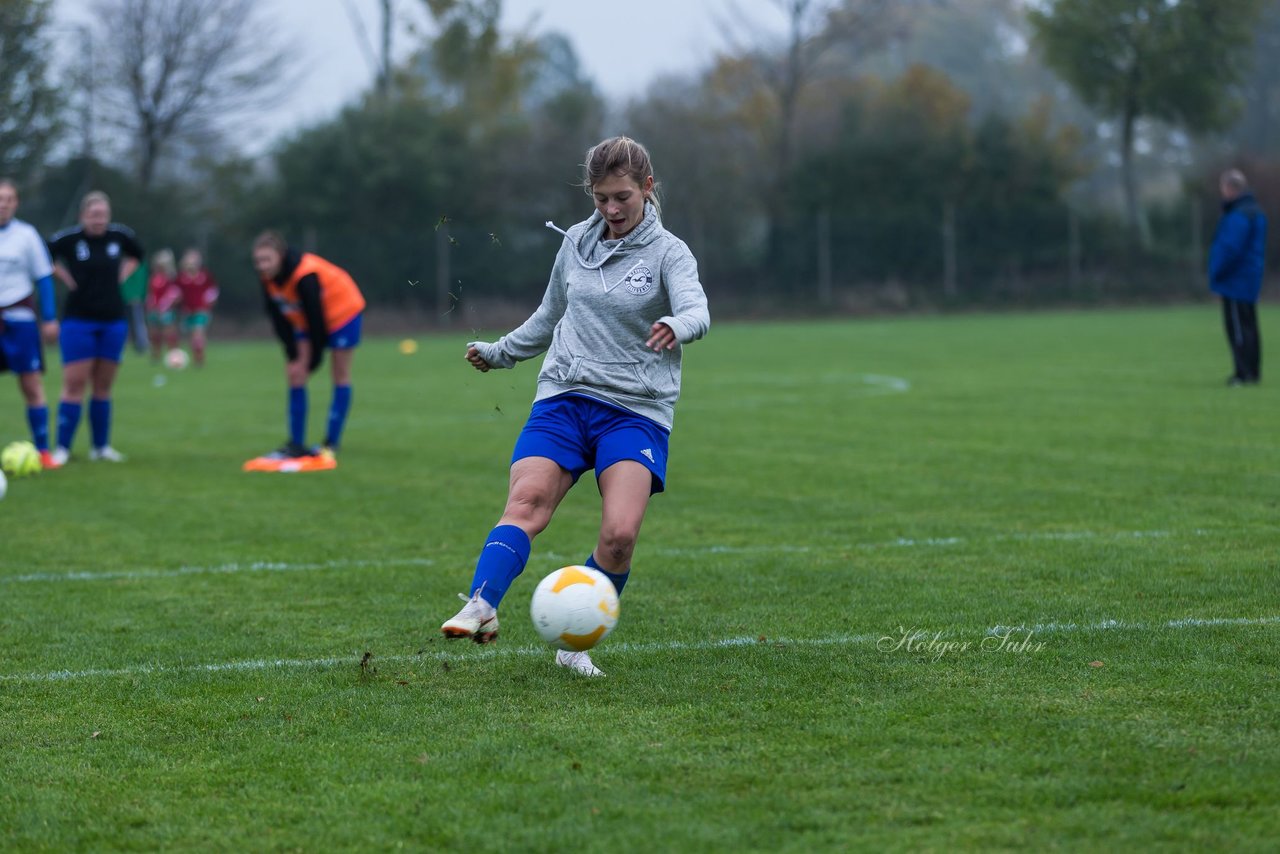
pixel 20 459
pixel 574 608
pixel 4 485
pixel 176 359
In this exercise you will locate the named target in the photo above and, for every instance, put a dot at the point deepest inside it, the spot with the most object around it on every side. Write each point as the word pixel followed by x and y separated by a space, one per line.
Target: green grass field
pixel 860 514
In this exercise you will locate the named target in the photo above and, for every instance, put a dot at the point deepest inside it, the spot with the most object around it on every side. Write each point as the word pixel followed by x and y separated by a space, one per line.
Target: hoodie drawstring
pixel 590 265
pixel 598 266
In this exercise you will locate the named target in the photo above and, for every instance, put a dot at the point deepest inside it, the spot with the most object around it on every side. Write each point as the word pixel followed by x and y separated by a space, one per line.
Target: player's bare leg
pixel 536 488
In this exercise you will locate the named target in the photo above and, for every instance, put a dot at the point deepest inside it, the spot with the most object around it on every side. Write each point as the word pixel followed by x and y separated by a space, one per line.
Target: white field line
pixel 765 379
pixel 221 569
pixel 912 542
pixel 900 542
pixel 262 664
pixel 782 388
pixel 1120 625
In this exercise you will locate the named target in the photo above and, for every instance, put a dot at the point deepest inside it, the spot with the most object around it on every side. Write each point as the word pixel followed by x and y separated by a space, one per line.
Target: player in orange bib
pixel 313 304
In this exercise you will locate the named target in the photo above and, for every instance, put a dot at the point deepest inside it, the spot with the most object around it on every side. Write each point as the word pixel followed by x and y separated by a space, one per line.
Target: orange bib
pixel 339 294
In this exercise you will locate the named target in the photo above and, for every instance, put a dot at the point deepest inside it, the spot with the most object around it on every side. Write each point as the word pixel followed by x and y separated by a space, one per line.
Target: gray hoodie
pixel 603 298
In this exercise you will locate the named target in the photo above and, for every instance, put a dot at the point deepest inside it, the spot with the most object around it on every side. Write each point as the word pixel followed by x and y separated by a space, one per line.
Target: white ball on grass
pixel 574 608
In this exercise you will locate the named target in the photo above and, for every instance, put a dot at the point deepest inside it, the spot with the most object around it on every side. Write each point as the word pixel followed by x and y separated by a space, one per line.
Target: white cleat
pixel 578 662
pixel 106 452
pixel 477 620
pixel 60 455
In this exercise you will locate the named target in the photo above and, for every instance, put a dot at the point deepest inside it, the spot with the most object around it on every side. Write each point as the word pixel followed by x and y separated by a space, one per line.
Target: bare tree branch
pixel 362 36
pixel 180 70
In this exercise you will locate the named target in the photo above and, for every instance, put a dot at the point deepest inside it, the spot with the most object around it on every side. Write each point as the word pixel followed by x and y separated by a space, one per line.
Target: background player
pixel 313 304
pixel 199 293
pixel 25 262
pixel 92 259
pixel 162 296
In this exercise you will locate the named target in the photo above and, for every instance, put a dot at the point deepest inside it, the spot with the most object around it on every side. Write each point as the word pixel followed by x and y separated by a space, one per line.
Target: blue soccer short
pixel 579 433
pixel 345 337
pixel 20 342
pixel 93 339
pixel 348 336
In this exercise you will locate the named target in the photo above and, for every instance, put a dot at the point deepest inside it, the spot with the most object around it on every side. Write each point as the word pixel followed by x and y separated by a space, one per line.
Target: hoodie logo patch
pixel 639 281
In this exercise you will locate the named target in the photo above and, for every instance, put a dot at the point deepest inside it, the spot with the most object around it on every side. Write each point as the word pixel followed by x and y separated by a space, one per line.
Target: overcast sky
pixel 658 36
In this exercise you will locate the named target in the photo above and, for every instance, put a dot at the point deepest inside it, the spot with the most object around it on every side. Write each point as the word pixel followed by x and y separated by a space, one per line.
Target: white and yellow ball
pixel 574 608
pixel 20 459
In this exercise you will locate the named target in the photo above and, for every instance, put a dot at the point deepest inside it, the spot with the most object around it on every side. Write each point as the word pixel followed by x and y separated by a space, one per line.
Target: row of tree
pixel 918 151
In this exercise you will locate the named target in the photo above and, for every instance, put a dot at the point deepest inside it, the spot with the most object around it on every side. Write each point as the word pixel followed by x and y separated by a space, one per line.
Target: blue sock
pixel 38 418
pixel 100 421
pixel 501 560
pixel 68 421
pixel 338 410
pixel 297 414
pixel 619 579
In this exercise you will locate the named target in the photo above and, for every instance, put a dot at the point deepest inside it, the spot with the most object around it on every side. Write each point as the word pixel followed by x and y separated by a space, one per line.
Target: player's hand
pixel 296 371
pixel 49 331
pixel 298 368
pixel 477 361
pixel 661 337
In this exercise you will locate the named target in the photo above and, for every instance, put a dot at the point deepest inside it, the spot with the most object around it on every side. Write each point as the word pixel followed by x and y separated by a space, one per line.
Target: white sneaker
pixel 106 452
pixel 477 620
pixel 578 662
pixel 60 455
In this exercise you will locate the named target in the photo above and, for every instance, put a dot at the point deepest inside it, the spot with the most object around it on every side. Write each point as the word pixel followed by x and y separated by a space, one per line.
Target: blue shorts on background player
pixel 624 297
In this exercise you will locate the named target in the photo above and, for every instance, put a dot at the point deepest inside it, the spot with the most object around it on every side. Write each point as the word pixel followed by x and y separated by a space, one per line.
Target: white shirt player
pixel 24 260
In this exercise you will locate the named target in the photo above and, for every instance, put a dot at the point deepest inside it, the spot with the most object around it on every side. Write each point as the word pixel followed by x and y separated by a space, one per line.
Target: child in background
pixel 199 293
pixel 162 297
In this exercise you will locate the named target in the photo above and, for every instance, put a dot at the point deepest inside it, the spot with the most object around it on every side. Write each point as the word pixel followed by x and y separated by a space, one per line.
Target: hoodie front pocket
pixel 558 366
pixel 621 377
